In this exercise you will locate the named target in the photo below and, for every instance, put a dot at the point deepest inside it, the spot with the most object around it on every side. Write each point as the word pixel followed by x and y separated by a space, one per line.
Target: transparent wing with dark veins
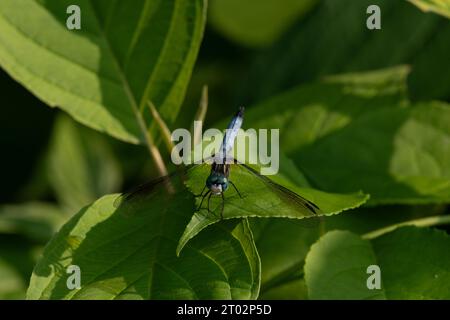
pixel 285 193
pixel 129 200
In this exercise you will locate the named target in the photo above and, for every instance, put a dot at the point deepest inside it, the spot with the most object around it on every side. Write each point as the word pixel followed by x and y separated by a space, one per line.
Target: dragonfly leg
pixel 201 193
pixel 240 196
pixel 203 198
pixel 209 198
pixel 223 204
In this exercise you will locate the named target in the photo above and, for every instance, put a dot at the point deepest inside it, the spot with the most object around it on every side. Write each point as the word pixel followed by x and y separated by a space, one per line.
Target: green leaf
pixel 282 245
pixel 414 263
pixel 441 7
pixel 335 268
pixel 258 200
pixel 131 255
pixel 310 112
pixel 36 220
pixel 336 265
pixel 331 42
pixel 395 154
pixel 124 55
pixel 256 23
pixel 375 142
pixel 80 166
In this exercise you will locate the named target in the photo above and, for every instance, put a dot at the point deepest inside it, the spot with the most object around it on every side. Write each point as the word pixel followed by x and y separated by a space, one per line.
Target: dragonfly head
pixel 217 183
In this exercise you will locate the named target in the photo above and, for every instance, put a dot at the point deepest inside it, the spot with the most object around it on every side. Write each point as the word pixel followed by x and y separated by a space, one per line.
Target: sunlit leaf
pixel 259 199
pixel 441 7
pixel 102 74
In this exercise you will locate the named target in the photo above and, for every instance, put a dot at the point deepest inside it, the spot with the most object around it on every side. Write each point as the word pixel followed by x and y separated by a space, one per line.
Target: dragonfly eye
pixel 224 185
pixel 217 183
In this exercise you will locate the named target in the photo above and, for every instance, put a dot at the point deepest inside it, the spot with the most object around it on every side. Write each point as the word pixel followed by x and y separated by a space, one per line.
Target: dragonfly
pixel 218 182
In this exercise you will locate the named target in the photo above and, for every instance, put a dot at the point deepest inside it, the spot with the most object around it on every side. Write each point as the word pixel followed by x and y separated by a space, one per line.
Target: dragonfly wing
pixel 285 193
pixel 129 200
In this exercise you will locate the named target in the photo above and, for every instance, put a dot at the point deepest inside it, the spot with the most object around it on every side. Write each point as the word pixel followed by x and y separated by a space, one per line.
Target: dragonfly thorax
pixel 217 183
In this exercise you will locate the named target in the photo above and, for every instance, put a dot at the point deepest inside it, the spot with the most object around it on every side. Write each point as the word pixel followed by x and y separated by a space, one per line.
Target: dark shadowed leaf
pixel 133 257
pixel 334 39
pixel 336 266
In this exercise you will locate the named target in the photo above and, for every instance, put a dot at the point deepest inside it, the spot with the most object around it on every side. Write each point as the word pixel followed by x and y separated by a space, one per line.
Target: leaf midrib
pixel 115 61
pixel 158 60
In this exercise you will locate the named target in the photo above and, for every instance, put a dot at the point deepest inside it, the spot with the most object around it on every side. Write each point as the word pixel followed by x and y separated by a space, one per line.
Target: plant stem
pixel 200 116
pixel 153 150
pixel 162 126
pixel 423 222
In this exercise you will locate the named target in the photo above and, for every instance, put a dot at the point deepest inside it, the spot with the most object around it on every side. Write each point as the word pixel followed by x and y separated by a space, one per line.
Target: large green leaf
pixel 127 254
pixel 397 155
pixel 336 266
pixel 258 199
pixel 414 263
pixel 334 39
pixel 125 54
pixel 438 6
pixel 256 22
pixel 310 112
pixel 80 165
pixel 357 132
pixel 282 245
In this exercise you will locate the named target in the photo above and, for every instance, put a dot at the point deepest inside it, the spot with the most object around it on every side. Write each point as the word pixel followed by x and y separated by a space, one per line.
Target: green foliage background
pixel 364 131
